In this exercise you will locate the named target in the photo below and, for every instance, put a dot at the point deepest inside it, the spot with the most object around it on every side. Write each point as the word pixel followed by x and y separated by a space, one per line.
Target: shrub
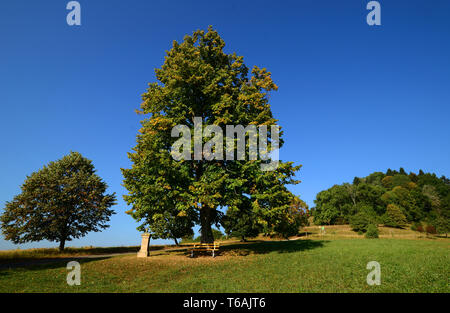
pixel 415 226
pixel 372 231
pixel 394 216
pixel 430 229
pixel 442 225
pixel 359 222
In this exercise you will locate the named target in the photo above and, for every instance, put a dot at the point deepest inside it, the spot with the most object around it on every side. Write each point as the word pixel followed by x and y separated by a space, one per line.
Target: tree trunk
pixel 176 242
pixel 243 239
pixel 62 243
pixel 205 223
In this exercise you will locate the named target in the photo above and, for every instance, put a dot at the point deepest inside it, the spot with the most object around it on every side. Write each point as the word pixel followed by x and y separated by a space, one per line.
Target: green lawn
pixel 287 266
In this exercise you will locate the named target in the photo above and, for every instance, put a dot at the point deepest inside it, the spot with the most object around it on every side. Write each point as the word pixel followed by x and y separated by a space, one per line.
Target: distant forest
pixel 394 198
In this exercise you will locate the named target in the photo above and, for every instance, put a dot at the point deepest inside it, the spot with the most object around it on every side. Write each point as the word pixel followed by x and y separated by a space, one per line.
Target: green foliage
pixel 166 225
pixel 190 239
pixel 217 234
pixel 198 79
pixel 394 216
pixel 370 195
pixel 440 216
pixel 360 221
pixel 295 217
pixel 416 206
pixel 421 197
pixel 416 226
pixel 390 182
pixel 63 200
pixel 372 231
pixel 442 225
pixel 374 179
pixel 331 204
pixel 242 223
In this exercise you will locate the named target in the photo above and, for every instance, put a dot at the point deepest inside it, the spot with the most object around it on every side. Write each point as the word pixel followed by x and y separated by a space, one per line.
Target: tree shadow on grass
pixel 264 247
pixel 47 263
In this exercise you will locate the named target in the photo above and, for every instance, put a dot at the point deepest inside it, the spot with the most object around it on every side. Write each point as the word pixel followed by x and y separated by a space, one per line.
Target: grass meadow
pixel 309 264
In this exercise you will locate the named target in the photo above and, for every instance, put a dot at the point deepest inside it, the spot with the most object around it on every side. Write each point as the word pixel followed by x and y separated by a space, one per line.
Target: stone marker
pixel 144 252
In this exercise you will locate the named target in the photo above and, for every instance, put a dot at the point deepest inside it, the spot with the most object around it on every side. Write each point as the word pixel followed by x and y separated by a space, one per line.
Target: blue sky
pixel 352 98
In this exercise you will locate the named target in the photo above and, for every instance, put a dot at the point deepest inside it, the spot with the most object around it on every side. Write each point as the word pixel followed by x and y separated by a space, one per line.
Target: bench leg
pixel 192 253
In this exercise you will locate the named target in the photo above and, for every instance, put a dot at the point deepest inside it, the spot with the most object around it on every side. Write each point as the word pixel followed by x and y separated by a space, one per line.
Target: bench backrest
pixel 214 245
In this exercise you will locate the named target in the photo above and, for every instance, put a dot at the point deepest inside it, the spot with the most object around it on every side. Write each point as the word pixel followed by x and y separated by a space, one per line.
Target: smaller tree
pixel 394 216
pixel 442 225
pixel 372 231
pixel 242 225
pixel 217 234
pixel 440 216
pixel 62 201
pixel 365 215
pixel 360 221
pixel 166 225
pixel 293 218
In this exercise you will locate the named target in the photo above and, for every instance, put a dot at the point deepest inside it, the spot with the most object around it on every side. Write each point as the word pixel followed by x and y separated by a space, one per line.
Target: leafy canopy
pixel 63 200
pixel 394 198
pixel 198 79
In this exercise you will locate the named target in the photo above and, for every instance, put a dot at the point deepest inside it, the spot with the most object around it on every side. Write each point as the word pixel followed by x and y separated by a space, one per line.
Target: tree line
pixel 394 198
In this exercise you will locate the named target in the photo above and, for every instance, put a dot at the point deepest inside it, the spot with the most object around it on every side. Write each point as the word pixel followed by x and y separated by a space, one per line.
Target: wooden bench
pixel 203 247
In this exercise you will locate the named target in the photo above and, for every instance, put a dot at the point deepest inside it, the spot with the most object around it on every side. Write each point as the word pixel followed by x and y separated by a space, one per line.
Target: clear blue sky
pixel 352 98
